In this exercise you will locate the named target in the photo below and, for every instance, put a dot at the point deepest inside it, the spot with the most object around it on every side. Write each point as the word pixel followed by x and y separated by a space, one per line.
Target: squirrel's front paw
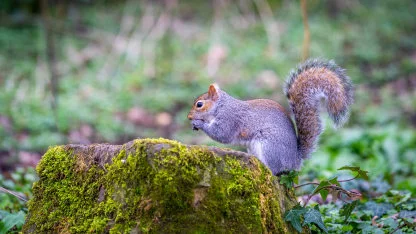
pixel 197 124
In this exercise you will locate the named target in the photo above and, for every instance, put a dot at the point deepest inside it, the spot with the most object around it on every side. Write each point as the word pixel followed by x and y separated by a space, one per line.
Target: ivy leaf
pixel 334 181
pixel 351 168
pixel 409 222
pixel 315 217
pixel 289 179
pixel 320 186
pixel 11 220
pixel 321 190
pixel 360 173
pixel 407 214
pixel 347 209
pixel 347 228
pixel 294 216
pixel 324 194
pixel 391 223
pixel 378 209
pixel 366 227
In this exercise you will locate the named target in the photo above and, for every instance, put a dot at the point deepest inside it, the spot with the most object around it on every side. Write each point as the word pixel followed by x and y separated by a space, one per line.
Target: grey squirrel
pixel 265 127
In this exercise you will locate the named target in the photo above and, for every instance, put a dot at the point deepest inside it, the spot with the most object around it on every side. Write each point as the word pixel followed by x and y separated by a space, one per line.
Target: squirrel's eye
pixel 199 104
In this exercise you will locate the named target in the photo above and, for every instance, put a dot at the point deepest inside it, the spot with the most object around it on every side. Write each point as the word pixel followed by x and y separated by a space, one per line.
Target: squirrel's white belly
pixel 253 147
pixel 256 148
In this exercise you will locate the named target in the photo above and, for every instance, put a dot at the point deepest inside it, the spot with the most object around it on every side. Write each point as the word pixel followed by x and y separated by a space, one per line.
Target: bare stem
pixel 331 186
pixel 316 183
pixel 13 193
pixel 309 183
pixel 341 181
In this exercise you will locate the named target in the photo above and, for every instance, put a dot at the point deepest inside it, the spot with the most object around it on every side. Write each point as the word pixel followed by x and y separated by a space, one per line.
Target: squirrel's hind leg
pixel 278 156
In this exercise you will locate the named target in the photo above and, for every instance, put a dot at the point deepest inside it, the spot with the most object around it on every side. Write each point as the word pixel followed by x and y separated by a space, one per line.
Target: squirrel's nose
pixel 190 117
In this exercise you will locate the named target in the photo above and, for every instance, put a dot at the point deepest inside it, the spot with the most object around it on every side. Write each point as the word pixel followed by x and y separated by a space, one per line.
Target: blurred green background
pixel 112 71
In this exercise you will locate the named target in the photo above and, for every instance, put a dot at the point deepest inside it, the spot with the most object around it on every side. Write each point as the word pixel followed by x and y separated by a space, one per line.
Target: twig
pixel 316 183
pixel 13 193
pixel 301 185
pixel 334 187
pixel 342 181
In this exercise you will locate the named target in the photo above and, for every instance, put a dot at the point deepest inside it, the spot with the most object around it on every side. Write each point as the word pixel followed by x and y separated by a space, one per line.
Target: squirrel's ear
pixel 213 92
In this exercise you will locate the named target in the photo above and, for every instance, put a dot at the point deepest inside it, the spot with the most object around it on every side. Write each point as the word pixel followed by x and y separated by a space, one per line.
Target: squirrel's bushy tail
pixel 311 82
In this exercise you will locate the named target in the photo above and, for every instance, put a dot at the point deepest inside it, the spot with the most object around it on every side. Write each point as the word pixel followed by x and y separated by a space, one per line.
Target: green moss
pixel 150 188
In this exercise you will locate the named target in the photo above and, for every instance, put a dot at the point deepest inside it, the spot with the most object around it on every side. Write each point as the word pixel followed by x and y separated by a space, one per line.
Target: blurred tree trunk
pixel 50 52
pixel 306 33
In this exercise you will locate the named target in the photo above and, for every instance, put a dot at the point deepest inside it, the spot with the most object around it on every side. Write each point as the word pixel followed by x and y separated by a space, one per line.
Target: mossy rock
pixel 158 186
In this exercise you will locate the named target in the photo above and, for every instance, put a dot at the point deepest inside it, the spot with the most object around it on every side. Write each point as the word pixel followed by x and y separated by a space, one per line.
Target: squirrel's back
pixel 311 82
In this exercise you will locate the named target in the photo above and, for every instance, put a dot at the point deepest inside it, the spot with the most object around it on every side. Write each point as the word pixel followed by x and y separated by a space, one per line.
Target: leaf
pixel 3 213
pixel 351 168
pixel 346 228
pixel 289 179
pixel 360 173
pixel 368 228
pixel 324 194
pixel 405 198
pixel 11 220
pixel 409 222
pixel 294 216
pixel 347 209
pixel 378 209
pixel 286 181
pixel 320 186
pixel 407 214
pixel 314 216
pixel 334 181
pixel 390 222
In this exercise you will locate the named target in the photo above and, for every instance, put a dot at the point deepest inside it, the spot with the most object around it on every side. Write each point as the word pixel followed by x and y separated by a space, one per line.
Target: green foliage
pixel 361 174
pixel 12 210
pixel 310 217
pixel 313 216
pixel 381 215
pixel 11 221
pixel 389 149
pixel 289 179
pixel 347 209
pixel 294 216
pixel 321 188
pixel 386 213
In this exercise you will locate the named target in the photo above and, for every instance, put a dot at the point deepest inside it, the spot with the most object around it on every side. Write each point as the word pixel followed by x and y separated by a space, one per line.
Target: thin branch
pixel 13 193
pixel 342 181
pixel 316 183
pixel 301 185
pixel 334 187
